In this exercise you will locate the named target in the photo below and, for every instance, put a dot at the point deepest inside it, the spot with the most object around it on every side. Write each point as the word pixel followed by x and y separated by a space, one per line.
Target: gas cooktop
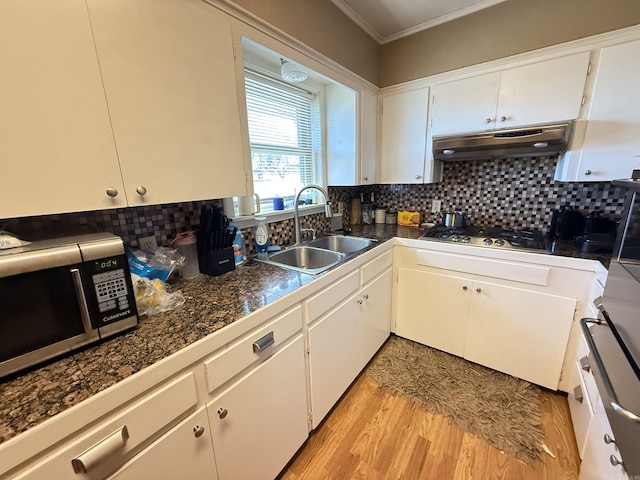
pixel 492 237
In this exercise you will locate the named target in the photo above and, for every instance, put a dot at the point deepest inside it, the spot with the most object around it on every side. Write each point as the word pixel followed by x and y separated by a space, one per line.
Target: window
pixel 282 125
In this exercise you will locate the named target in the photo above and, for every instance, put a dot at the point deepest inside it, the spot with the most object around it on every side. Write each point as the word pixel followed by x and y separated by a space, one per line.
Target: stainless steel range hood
pixel 531 141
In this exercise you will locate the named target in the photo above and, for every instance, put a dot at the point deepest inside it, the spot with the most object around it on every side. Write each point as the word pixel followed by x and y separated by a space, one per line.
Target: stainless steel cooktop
pixel 490 237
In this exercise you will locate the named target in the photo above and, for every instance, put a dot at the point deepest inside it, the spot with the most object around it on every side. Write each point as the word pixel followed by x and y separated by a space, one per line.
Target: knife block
pixel 216 262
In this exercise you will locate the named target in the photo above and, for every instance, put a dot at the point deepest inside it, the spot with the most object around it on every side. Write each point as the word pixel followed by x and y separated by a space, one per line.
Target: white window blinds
pixel 280 133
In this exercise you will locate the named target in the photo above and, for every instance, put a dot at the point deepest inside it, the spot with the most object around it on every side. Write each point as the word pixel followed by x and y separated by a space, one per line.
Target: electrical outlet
pixel 148 244
pixel 436 206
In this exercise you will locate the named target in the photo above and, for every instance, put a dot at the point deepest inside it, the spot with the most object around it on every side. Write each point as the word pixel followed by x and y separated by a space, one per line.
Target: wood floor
pixel 374 434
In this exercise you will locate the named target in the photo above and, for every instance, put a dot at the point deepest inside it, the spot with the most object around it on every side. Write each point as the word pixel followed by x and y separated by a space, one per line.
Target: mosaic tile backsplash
pixel 519 193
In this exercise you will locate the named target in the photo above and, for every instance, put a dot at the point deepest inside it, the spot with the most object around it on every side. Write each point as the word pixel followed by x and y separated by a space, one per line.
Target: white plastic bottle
pixel 262 237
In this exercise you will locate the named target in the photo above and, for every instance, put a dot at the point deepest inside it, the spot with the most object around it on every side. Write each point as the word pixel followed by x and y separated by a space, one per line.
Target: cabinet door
pixel 519 332
pixel 334 360
pixel 542 92
pixel 375 319
pixel 170 80
pixel 432 309
pixel 467 105
pixel 368 138
pixel 259 423
pixel 404 136
pixel 56 145
pixel 185 452
pixel 341 108
pixel 611 147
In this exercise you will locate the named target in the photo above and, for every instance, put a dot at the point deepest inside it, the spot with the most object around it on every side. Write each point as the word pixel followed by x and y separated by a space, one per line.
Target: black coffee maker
pixel 566 224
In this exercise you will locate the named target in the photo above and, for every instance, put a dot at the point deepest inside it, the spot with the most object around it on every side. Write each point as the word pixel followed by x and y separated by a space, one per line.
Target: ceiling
pixel 388 20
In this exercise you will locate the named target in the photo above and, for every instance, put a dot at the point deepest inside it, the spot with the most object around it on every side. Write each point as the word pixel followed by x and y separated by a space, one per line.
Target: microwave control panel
pixel 112 289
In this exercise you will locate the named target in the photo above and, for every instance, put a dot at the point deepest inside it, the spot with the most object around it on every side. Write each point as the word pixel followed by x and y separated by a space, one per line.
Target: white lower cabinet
pixel 505 325
pixel 596 463
pixel 430 309
pixel 260 421
pixel 184 452
pixel 342 341
pixel 133 439
pixel 519 332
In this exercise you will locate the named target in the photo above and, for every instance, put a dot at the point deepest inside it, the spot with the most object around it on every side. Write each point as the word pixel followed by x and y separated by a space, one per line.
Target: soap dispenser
pixel 262 237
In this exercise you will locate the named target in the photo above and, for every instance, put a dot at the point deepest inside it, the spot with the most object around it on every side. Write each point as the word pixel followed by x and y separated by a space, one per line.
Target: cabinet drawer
pixel 255 347
pixel 374 268
pixel 581 407
pixel 104 449
pixel 332 295
pixel 517 272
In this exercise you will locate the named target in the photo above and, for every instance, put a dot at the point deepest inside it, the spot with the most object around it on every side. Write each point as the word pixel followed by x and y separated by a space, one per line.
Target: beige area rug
pixel 503 410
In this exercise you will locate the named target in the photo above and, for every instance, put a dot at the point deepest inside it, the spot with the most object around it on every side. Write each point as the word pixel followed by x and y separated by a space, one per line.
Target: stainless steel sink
pixel 306 259
pixel 342 244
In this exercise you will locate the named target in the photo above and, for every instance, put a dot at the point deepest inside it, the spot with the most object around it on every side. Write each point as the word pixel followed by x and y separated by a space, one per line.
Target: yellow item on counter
pixel 409 219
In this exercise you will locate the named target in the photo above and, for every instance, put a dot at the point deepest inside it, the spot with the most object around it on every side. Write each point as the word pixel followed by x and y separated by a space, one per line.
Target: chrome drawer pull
pixel 262 343
pixel 577 393
pixel 584 364
pixel 98 452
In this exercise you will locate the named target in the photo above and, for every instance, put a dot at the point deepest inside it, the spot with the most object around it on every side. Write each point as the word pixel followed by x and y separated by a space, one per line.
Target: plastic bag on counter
pixel 153 296
pixel 9 240
pixel 159 264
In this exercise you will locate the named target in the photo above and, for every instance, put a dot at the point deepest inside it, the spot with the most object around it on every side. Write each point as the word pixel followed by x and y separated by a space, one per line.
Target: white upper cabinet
pixel 56 146
pixel 351 136
pixel 403 155
pixel 170 80
pixel 465 105
pixel 341 108
pixel 542 92
pixel 611 146
pixel 368 138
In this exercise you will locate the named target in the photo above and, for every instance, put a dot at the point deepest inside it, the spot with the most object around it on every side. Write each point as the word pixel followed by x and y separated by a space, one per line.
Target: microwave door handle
pixel 610 395
pixel 82 300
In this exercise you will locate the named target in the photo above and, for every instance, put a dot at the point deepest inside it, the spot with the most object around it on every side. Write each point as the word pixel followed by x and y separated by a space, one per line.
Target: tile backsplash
pixel 517 193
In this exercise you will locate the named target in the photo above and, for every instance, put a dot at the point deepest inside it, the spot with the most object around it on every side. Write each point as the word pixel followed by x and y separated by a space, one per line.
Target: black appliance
pixel 614 337
pixel 490 237
pixel 566 223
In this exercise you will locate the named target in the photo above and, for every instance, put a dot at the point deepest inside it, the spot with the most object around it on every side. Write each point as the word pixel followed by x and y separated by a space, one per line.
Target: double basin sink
pixel 318 255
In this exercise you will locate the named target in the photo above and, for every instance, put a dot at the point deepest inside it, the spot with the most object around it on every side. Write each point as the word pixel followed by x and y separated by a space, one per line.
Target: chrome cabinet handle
pixel 198 431
pixel 141 190
pixel 359 301
pixel 465 288
pixel 487 120
pixel 366 179
pixel 577 393
pixel 366 296
pixel 418 177
pixel 503 119
pixel 104 448
pixel 263 342
pixel 588 172
pixel 614 461
pixel 478 290
pixel 222 412
pixel 112 192
pixel 608 440
pixel 584 364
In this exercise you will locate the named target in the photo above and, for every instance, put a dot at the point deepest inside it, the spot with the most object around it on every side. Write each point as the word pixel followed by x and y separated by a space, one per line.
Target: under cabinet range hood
pixel 531 141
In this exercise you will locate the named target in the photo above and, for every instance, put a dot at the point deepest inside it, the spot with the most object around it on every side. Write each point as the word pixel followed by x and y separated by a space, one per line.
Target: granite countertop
pixel 30 398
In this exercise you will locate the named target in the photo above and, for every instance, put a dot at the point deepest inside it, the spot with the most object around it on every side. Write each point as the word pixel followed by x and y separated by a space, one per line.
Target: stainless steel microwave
pixel 59 295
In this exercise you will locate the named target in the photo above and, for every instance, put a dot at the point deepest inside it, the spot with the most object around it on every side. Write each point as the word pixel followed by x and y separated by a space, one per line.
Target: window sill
pixel 276 216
